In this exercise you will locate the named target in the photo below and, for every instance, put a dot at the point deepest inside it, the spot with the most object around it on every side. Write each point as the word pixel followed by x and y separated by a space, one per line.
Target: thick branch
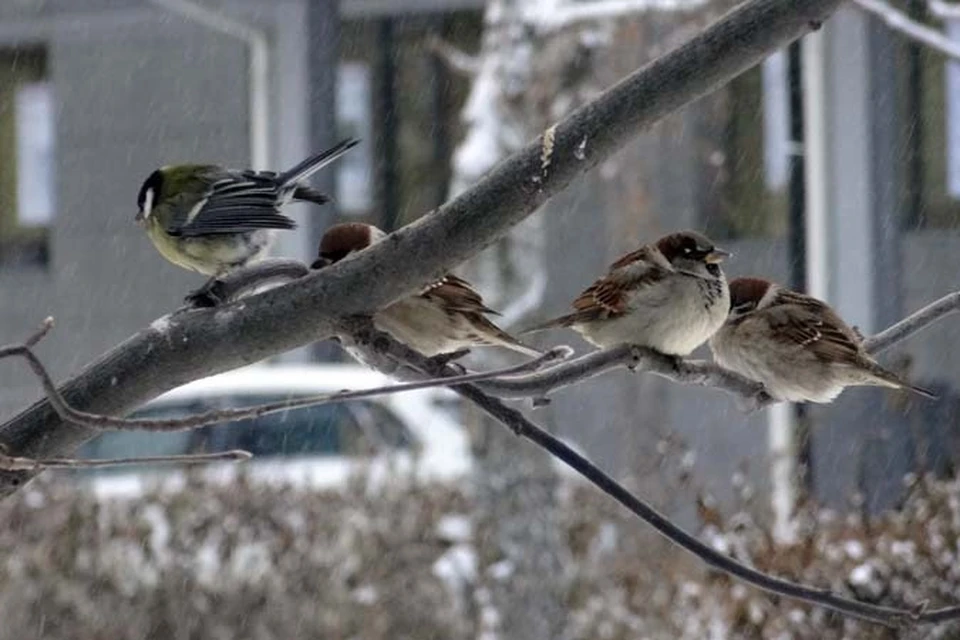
pixel 191 345
pixel 380 348
pixel 195 421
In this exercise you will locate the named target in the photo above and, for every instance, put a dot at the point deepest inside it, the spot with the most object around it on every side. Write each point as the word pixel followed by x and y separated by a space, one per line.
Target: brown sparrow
pixel 670 295
pixel 795 345
pixel 447 316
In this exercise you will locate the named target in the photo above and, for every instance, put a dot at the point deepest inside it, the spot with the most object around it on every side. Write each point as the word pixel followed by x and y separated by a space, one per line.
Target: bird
pixel 670 295
pixel 445 317
pixel 797 346
pixel 213 220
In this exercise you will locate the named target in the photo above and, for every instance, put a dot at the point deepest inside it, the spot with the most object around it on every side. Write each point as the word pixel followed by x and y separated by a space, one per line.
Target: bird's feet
pixel 439 361
pixel 211 294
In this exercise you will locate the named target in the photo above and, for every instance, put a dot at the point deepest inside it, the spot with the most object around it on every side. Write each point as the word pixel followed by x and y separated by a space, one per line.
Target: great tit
pixel 213 220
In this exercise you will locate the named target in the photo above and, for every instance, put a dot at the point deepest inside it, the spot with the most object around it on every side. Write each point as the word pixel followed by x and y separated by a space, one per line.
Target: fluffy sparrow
pixel 795 345
pixel 447 316
pixel 670 295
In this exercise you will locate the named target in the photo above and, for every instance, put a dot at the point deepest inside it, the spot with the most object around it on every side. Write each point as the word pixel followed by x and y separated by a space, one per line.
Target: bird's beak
pixel 717 255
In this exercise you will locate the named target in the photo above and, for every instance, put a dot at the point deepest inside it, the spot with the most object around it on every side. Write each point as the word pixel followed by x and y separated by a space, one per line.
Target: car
pixel 321 446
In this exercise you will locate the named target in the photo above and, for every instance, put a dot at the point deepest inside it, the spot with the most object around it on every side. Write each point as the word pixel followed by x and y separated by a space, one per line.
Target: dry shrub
pixel 398 561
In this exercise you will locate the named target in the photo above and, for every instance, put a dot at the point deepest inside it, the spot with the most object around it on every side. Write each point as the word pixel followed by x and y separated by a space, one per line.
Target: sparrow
pixel 795 345
pixel 213 220
pixel 445 317
pixel 670 296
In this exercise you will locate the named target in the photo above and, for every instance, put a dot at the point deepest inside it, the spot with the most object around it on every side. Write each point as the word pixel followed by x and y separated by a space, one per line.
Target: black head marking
pixel 685 244
pixel 154 182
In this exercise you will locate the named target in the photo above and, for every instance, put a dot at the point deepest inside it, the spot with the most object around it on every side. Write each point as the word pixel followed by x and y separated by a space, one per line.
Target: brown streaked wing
pixel 610 293
pixel 457 295
pixel 812 324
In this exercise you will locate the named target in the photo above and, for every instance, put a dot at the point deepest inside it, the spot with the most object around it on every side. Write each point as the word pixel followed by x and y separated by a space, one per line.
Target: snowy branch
pixel 455 58
pixel 193 344
pixel 902 23
pixel 943 10
pixel 394 356
pixel 566 12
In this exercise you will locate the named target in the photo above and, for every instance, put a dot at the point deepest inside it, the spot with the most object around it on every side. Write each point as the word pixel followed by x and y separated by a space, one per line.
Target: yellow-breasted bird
pixel 213 220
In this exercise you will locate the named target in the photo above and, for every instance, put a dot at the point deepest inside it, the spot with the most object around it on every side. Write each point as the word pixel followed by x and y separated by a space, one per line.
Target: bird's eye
pixel 687 250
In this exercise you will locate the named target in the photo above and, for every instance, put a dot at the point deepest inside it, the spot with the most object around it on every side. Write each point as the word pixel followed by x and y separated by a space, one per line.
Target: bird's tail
pixel 562 321
pixel 314 163
pixel 498 336
pixel 885 378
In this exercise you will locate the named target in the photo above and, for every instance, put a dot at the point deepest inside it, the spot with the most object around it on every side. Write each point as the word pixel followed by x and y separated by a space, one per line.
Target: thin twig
pixel 97 421
pixel 914 323
pixel 694 372
pixel 903 24
pixel 16 463
pixel 944 10
pixel 385 346
pixel 456 59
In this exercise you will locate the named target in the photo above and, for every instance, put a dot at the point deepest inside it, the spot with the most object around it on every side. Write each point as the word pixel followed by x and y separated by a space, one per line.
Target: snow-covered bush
pixel 412 562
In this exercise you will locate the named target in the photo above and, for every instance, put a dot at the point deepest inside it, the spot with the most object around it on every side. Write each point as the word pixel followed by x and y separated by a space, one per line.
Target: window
pixel 27 203
pixel 355 170
pixel 748 197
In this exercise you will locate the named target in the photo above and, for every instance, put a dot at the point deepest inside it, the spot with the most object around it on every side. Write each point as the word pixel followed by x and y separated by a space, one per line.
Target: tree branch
pixel 913 324
pixel 102 422
pixel 14 463
pixel 194 344
pixel 903 24
pixel 696 372
pixel 381 348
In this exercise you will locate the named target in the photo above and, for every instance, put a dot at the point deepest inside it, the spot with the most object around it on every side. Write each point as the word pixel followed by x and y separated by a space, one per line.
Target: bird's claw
pixel 211 294
pixel 443 359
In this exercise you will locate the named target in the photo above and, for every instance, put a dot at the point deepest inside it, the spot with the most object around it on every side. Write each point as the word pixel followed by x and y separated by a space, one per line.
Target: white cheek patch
pixel 147 204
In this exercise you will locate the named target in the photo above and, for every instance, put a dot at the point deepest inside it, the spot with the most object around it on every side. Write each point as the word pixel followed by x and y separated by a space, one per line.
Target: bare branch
pixel 14 463
pixel 65 411
pixel 695 372
pixel 380 347
pixel 914 323
pixel 903 24
pixel 455 58
pixel 943 10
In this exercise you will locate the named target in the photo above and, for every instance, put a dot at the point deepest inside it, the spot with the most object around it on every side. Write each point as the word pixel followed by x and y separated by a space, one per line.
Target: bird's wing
pixel 610 295
pixel 457 294
pixel 234 202
pixel 811 324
